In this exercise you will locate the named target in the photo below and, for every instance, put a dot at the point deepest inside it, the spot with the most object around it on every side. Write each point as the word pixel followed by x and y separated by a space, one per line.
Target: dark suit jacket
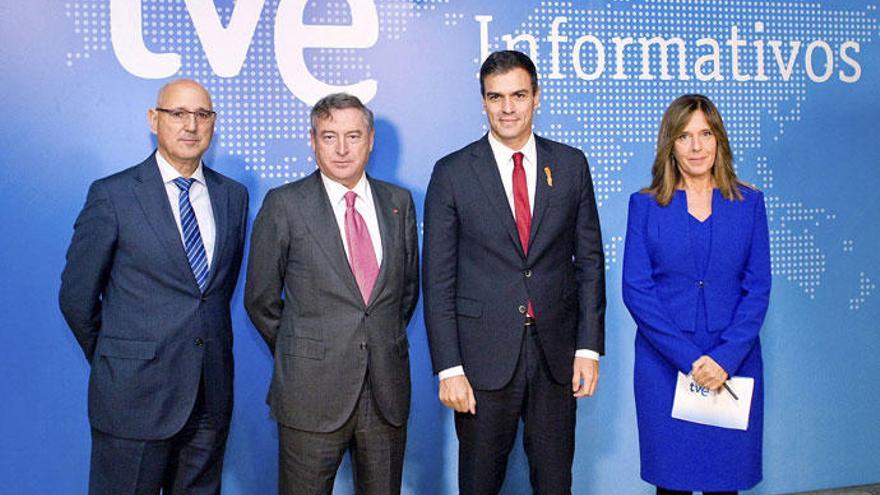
pixel 477 281
pixel 130 297
pixel 324 338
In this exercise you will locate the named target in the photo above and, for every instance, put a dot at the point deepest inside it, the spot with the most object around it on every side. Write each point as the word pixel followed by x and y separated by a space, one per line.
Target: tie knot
pixel 517 159
pixel 350 196
pixel 184 184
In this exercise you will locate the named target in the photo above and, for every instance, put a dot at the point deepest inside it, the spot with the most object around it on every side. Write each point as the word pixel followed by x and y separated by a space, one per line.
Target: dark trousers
pixel 188 463
pixel 664 491
pixel 548 411
pixel 308 461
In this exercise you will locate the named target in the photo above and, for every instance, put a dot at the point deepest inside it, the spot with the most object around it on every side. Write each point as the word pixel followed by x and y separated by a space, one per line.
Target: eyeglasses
pixel 180 115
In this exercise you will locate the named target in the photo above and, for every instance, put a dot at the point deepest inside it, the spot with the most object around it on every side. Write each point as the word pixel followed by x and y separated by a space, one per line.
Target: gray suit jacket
pixel 130 298
pixel 303 299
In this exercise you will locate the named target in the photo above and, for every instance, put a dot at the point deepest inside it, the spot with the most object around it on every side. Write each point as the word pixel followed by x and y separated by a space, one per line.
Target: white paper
pixel 698 405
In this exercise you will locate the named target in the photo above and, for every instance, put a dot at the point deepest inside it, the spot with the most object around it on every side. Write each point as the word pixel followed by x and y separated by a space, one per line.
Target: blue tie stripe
pixel 192 238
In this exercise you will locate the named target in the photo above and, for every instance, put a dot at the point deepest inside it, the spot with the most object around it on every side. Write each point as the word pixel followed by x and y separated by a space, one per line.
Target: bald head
pixel 181 85
pixel 183 122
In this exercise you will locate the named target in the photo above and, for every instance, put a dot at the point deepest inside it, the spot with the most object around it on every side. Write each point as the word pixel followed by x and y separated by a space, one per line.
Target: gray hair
pixel 339 101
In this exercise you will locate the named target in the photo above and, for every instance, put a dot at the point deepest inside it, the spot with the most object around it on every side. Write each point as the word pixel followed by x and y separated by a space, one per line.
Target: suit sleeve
pixel 640 293
pixel 89 259
pixel 740 336
pixel 439 271
pixel 267 263
pixel 411 269
pixel 589 264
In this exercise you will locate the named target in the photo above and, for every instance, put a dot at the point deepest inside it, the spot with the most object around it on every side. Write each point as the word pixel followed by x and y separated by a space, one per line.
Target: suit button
pixel 203 298
pixel 700 284
pixel 522 309
pixel 199 342
pixel 363 346
pixel 528 273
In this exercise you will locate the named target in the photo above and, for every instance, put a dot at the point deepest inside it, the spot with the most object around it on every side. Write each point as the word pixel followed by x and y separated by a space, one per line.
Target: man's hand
pixel 707 373
pixel 456 393
pixel 585 377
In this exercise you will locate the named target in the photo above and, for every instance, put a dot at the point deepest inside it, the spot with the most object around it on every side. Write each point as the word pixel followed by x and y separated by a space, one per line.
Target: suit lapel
pixel 219 194
pixel 676 234
pixel 388 215
pixel 543 189
pixel 150 193
pixel 321 223
pixel 486 170
pixel 724 227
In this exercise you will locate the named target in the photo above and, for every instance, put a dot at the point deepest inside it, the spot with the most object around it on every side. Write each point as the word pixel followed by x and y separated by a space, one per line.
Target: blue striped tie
pixel 192 238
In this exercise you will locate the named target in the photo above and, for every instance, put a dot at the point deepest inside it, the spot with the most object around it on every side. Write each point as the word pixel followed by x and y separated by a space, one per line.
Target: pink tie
pixel 361 255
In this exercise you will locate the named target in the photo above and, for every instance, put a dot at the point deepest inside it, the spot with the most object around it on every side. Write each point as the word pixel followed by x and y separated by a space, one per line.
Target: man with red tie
pixel 332 282
pixel 514 287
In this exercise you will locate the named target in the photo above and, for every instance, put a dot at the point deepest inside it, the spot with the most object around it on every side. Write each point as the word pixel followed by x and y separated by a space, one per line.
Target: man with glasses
pixel 150 271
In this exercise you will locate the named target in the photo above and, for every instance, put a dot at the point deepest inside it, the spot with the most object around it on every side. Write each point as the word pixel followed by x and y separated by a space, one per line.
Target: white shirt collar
pixel 336 191
pixel 169 173
pixel 503 154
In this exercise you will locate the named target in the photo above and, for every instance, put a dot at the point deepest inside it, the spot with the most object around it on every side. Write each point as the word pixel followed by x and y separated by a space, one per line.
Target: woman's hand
pixel 707 373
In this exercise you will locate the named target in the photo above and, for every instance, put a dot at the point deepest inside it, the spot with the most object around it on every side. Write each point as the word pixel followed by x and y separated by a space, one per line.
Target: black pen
pixel 730 391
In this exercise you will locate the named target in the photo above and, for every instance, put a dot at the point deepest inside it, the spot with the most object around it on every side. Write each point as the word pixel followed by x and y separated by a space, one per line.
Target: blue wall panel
pixel 799 97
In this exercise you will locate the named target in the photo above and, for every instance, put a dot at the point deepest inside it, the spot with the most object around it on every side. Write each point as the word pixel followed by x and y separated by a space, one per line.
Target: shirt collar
pixel 336 191
pixel 503 154
pixel 169 173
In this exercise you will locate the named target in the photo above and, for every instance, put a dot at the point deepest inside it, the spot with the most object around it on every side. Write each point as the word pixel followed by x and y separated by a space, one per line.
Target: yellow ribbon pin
pixel 549 176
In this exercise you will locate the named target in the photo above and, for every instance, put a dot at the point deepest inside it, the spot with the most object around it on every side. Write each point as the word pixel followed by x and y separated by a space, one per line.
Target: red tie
pixel 521 206
pixel 521 201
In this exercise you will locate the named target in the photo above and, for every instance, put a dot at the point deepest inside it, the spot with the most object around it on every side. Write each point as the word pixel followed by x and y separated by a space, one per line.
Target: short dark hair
pixel 339 101
pixel 504 61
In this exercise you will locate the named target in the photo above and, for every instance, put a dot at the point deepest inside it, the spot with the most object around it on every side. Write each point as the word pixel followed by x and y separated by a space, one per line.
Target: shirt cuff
pixel 586 353
pixel 451 372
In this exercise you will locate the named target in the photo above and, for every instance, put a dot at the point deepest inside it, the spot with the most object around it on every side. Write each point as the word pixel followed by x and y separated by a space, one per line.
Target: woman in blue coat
pixel 696 279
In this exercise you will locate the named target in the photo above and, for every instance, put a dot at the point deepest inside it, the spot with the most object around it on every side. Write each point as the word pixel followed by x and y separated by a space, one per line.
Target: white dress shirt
pixel 363 204
pixel 198 198
pixel 504 159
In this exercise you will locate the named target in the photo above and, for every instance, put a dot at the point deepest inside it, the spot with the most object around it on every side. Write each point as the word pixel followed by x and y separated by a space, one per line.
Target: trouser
pixel 190 462
pixel 308 461
pixel 548 410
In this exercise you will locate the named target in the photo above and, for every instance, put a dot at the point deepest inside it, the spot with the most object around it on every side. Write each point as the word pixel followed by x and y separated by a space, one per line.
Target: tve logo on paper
pixel 226 47
pixel 700 390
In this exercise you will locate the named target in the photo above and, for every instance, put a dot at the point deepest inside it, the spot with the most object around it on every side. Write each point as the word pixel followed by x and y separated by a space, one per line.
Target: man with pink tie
pixel 332 282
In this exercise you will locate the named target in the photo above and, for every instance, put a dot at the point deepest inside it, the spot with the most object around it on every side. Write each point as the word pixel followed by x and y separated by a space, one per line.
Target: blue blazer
pixel 478 280
pixel 132 302
pixel 661 282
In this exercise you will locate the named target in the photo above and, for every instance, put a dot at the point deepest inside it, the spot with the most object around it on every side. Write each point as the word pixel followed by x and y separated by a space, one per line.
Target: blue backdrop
pixel 796 82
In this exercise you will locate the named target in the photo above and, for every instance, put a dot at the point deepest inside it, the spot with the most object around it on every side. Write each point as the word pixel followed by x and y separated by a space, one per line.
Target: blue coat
pixel 130 298
pixel 662 288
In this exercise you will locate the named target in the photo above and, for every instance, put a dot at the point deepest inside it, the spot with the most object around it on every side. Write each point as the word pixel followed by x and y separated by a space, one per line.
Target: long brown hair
pixel 665 174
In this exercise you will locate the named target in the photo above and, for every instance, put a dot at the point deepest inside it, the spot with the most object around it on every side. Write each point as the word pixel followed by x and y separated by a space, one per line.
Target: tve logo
pixel 226 48
pixel 700 390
